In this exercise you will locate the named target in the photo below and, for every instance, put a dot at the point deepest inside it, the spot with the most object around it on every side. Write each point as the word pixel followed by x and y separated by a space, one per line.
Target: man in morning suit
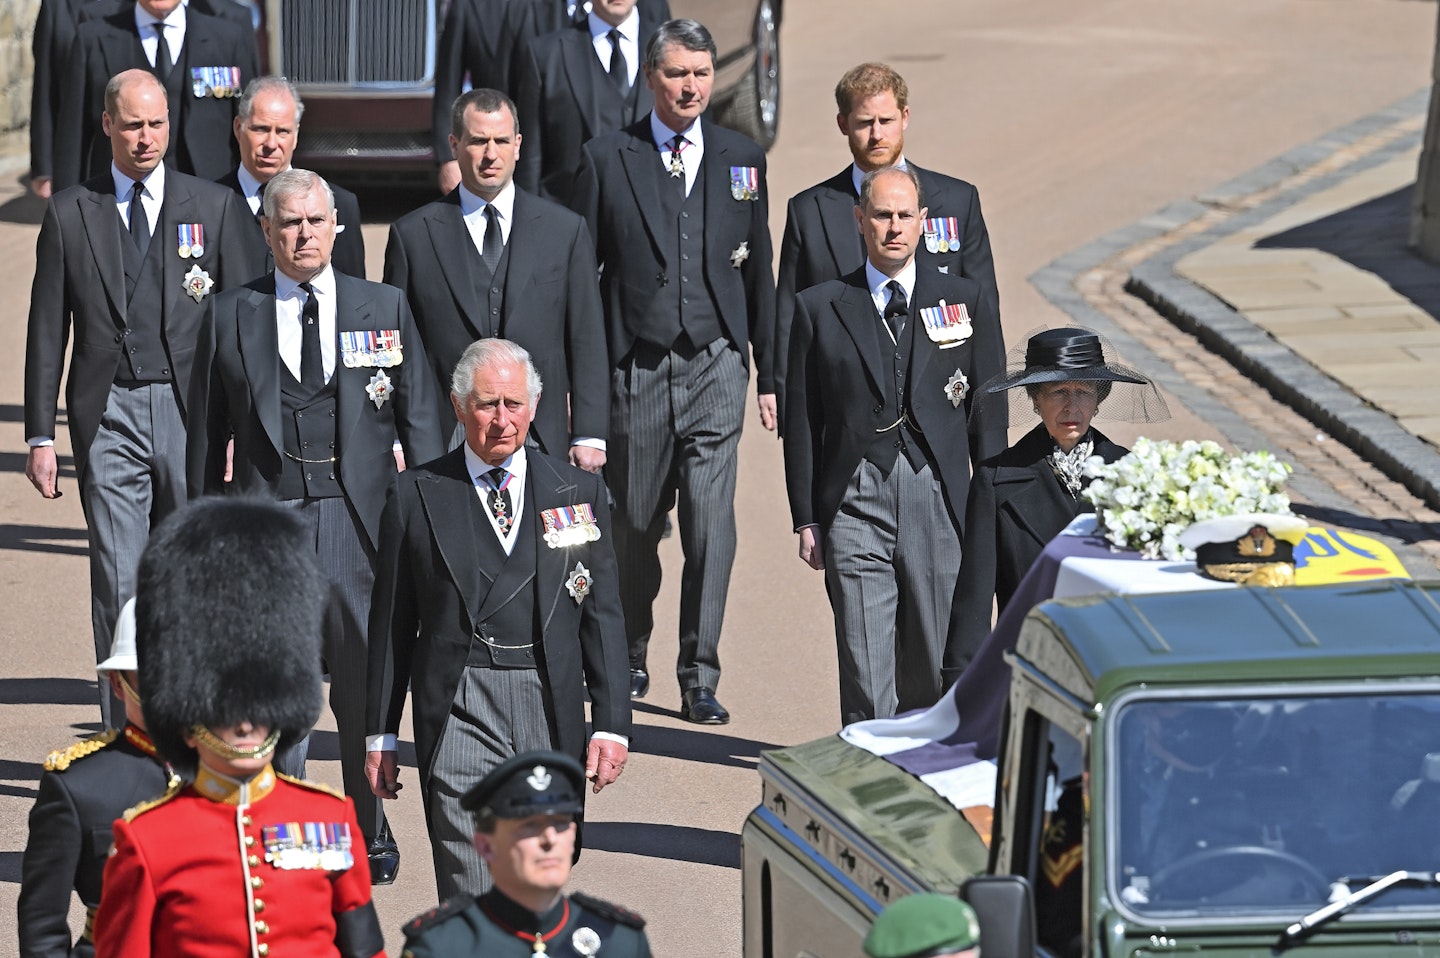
pixel 820 241
pixel 132 290
pixel 484 38
pixel 493 260
pixel 575 84
pixel 203 63
pixel 877 463
pixel 55 25
pixel 677 207
pixel 316 374
pixel 267 125
pixel 497 603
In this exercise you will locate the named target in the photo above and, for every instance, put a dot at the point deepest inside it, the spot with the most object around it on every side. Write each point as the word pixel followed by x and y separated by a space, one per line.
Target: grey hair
pixel 291 183
pixel 487 354
pixel 484 100
pixel 867 185
pixel 688 34
pixel 268 84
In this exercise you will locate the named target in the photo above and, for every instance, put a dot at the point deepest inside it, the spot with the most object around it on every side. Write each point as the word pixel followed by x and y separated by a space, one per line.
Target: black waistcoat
pixel 683 303
pixel 312 430
pixel 144 354
pixel 904 437
pixel 512 623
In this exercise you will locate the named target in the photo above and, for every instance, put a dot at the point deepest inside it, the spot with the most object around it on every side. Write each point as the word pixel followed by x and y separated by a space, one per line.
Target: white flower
pixel 1146 498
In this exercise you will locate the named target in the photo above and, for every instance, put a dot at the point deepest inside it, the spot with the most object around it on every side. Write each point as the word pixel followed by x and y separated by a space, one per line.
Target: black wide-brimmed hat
pixel 229 608
pixel 1075 354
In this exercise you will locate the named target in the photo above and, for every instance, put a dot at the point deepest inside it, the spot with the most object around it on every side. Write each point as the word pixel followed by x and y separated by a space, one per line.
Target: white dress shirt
pixel 690 156
pixel 289 301
pixel 174 32
pixel 251 188
pixel 880 296
pixel 629 43
pixel 472 209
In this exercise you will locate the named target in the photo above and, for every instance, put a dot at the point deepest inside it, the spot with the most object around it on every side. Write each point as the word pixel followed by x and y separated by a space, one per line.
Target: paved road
pixel 1075 120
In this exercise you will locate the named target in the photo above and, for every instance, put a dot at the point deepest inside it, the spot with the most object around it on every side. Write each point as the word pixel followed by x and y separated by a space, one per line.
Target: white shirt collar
pixel 154 183
pixel 877 281
pixel 515 464
pixel 662 134
pixel 323 283
pixel 248 183
pixel 145 21
pixel 504 202
pixel 857 175
pixel 629 27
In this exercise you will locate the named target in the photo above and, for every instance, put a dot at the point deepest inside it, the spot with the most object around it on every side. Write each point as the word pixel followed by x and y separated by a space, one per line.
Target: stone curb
pixel 1293 380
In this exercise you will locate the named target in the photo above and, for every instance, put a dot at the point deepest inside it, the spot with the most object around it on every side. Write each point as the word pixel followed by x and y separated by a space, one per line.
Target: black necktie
pixel 578 14
pixel 896 309
pixel 163 62
pixel 260 195
pixel 619 73
pixel 499 497
pixel 312 366
pixel 139 222
pixel 493 245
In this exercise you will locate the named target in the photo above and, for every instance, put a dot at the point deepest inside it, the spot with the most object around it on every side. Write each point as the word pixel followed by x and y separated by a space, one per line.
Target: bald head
pixel 137 121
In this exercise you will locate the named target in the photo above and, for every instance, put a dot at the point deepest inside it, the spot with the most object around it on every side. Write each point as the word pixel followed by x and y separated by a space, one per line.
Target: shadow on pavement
pixel 698 744
pixel 1374 236
pixel 15 462
pixel 680 843
pixel 40 539
pixel 10 867
pixel 1405 530
pixel 20 791
pixel 24 208
pixel 11 770
pixel 49 691
pixel 11 412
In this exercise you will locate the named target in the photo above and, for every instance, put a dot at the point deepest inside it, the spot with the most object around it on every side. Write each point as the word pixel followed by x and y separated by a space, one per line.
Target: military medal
pixel 183 240
pixel 197 283
pixel 570 525
pixel 578 585
pixel 197 242
pixel 388 351
pixel 198 86
pixel 957 388
pixel 676 165
pixel 586 941
pixel 380 388
pixel 745 182
pixel 947 325
pixel 740 254
pixel 942 234
pixel 322 846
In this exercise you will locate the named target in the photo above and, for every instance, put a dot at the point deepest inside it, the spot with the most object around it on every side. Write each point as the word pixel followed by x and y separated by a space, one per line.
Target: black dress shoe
pixel 384 861
pixel 701 707
pixel 639 683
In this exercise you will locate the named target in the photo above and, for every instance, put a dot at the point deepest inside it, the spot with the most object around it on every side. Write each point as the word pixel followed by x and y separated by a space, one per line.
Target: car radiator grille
pixel 357 42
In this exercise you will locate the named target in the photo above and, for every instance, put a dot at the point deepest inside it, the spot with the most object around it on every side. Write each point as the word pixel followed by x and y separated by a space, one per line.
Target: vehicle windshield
pixel 1258 804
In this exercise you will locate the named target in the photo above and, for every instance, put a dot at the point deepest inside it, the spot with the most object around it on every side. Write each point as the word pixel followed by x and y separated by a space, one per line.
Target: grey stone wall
pixel 17 24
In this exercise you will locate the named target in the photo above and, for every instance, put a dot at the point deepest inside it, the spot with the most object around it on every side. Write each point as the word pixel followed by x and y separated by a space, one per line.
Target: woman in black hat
pixel 1023 497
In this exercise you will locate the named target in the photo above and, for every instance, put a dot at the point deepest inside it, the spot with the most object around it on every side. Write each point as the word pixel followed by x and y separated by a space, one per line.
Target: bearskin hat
pixel 228 611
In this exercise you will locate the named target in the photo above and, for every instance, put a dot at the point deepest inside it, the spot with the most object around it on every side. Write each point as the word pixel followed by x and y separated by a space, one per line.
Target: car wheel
pixel 755 109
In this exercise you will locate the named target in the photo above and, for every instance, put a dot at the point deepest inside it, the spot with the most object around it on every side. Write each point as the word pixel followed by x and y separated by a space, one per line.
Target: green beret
pixel 921 925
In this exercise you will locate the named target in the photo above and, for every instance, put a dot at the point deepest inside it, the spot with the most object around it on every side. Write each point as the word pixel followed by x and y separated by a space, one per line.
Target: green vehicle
pixel 1249 772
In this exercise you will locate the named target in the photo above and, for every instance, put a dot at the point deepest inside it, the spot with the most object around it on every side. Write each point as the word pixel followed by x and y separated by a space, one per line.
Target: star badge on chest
pixel 740 254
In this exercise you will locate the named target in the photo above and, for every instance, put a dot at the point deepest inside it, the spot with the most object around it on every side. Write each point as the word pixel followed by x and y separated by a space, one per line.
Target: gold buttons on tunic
pixel 253 861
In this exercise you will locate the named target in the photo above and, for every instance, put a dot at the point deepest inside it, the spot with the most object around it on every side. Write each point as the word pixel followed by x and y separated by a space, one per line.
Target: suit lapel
pixel 351 313
pixel 1030 491
pixel 837 218
pixel 548 490
pixel 102 227
pixel 180 206
pixel 716 178
pixel 450 505
pixel 922 350
pixel 856 311
pixel 576 54
pixel 446 227
pixel 260 355
pixel 526 250
pixel 644 171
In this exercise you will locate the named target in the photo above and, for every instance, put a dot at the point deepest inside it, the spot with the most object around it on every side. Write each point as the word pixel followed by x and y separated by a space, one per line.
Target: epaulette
pixel 60 759
pixel 313 786
pixel 174 789
pixel 448 908
pixel 605 909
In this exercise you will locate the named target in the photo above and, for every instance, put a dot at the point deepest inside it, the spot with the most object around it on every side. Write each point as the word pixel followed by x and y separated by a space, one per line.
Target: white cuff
pixel 587 441
pixel 384 742
pixel 611 737
pixel 34 441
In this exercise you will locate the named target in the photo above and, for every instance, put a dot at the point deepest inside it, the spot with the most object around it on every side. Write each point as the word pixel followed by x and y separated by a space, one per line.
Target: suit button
pixel 309 476
pixel 332 445
pixel 118 337
pixel 299 415
pixel 332 414
pixel 684 235
pixel 305 445
pixel 165 372
pixel 246 821
pixel 332 475
pixel 261 928
pixel 249 841
pixel 494 311
pixel 685 256
pixel 879 407
pixel 494 291
pixel 897 443
pixel 256 882
pixel 132 350
pixel 684 214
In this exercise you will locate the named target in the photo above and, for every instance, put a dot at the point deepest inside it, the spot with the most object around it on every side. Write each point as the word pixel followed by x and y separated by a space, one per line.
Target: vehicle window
pixel 1056 862
pixel 1261 804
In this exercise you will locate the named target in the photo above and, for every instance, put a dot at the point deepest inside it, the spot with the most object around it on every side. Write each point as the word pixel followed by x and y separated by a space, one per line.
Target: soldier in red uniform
pixel 243 861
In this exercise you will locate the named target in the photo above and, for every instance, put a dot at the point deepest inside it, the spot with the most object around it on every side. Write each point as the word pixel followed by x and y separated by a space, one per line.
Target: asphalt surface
pixel 1077 122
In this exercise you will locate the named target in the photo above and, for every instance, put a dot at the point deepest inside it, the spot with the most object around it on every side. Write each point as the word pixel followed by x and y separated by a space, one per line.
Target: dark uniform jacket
pixel 550 304
pixel 1017 505
pixel 618 192
pixel 432 592
pixel 567 99
pixel 836 390
pixel 494 925
pixel 349 253
pixel 236 392
pixel 79 292
pixel 85 787
pixel 202 141
pixel 822 243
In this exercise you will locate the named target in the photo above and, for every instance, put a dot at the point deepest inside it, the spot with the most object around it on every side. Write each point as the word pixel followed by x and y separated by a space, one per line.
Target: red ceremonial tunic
pixel 220 869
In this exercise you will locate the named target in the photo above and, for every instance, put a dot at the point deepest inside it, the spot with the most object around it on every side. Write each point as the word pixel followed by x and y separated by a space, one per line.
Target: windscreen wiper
pixel 1305 926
